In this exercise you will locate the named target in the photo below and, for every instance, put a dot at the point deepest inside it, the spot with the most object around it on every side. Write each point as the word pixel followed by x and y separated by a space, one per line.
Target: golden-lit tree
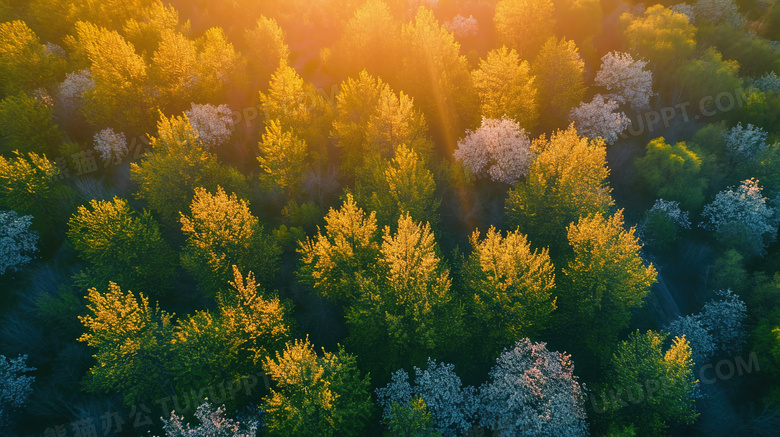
pixel 222 232
pixel 121 246
pixel 174 69
pixel 220 67
pixel 282 157
pixel 267 49
pixel 133 345
pixel 167 177
pixel 331 261
pixel 25 64
pixel 661 36
pixel 558 70
pixel 405 313
pixel 506 88
pixel 603 282
pixel 402 185
pixel 524 25
pixel 316 395
pixel 511 287
pixel 122 94
pixel 567 180
pixel 641 362
pixel 231 343
pixel 436 75
pixel 371 120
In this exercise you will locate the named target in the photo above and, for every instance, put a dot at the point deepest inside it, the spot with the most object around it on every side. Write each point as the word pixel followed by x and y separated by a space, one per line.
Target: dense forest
pixel 389 217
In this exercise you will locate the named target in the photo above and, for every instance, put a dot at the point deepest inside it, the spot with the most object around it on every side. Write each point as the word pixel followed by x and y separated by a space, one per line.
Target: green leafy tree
pixel 405 313
pixel 372 120
pixel 511 287
pixel 558 69
pixel 506 87
pixel 664 379
pixel 222 232
pixel 132 342
pixel 567 180
pixel 603 282
pixel 282 157
pixel 177 163
pixel 411 420
pixel 316 395
pixel 661 36
pixel 121 246
pixel 673 172
pixel 709 75
pixel 26 125
pixel 332 261
pixel 25 64
pixel 121 96
pixel 398 187
pixel 524 25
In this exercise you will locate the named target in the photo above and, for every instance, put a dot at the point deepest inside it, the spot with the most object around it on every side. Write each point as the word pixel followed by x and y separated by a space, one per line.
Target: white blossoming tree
pixel 768 83
pixel 212 424
pixel 745 142
pixel 533 391
pixel 724 319
pixel 742 217
pixel 718 329
pixel 499 149
pixel 685 9
pixel 111 146
pixel 717 11
pixel 214 124
pixel 451 405
pixel 74 86
pixel 663 222
pixel 15 386
pixel 701 341
pixel 627 78
pixel 598 119
pixel 17 241
pixel 463 27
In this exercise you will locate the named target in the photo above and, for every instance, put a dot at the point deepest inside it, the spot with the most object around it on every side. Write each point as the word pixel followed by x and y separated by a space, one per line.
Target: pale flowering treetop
pixel 212 123
pixel 768 83
pixel 701 341
pixel 212 424
pixel 463 27
pixel 111 146
pixel 745 142
pixel 598 119
pixel 685 9
pixel 15 386
pixel 716 11
pixel 533 391
pixel 452 406
pixel 744 207
pixel 627 78
pixel 17 241
pixel 499 149
pixel 74 86
pixel 672 210
pixel 724 319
